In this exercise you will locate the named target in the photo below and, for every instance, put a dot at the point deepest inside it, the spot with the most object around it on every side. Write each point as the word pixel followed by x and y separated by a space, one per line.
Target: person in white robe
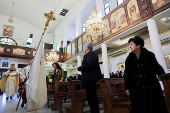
pixel 25 71
pixel 9 82
pixel 24 75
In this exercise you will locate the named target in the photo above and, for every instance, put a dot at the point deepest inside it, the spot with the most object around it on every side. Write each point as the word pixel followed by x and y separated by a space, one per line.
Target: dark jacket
pixel 122 74
pixel 140 78
pixel 116 76
pixel 90 68
pixel 78 77
pixel 69 78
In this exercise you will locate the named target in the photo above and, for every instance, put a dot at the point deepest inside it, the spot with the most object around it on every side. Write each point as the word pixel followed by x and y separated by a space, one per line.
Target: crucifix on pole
pixel 49 17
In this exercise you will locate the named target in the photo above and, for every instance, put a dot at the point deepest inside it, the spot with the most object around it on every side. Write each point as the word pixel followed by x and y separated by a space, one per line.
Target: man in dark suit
pixel 77 76
pixel 91 74
pixel 122 71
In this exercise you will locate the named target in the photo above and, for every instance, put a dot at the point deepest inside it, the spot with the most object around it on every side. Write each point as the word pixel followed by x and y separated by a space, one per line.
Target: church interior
pixel 66 26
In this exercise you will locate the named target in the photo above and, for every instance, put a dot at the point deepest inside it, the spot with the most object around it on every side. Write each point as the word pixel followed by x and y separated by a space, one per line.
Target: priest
pixel 9 82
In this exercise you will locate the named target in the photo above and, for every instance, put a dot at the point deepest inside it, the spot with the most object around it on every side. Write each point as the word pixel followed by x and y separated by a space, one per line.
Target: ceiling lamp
pixel 11 19
pixel 96 26
pixel 53 56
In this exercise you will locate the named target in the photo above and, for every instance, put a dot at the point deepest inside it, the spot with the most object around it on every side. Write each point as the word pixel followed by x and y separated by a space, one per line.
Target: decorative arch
pixel 8 41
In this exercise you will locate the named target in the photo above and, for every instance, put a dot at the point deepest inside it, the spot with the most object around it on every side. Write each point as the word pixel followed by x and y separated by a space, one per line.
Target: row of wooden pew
pixel 110 92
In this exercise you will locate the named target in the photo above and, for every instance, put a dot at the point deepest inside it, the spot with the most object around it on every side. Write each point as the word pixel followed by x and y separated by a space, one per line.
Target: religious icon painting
pixel 69 51
pixel 94 39
pixel 86 39
pixel 8 30
pixel 5 63
pixel 73 48
pixel 79 44
pixel 107 33
pixel 167 59
pixel 159 3
pixel 133 11
pixel 121 65
pixel 1 49
pixel 34 52
pixel 18 51
pixel 118 20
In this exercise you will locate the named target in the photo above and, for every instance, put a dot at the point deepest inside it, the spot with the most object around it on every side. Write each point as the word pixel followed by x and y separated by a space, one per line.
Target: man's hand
pixel 77 68
pixel 127 92
pixel 52 73
pixel 60 80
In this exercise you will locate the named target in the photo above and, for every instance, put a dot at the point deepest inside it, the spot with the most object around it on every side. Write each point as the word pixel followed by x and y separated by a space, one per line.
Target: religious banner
pixel 8 30
pixel 79 44
pixel 18 51
pixel 73 48
pixel 86 39
pixel 69 51
pixel 1 49
pixel 107 33
pixel 121 65
pixel 133 11
pixel 96 39
pixel 118 20
pixel 159 3
pixel 167 59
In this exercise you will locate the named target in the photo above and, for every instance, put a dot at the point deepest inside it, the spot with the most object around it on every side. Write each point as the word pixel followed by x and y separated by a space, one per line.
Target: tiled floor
pixel 10 106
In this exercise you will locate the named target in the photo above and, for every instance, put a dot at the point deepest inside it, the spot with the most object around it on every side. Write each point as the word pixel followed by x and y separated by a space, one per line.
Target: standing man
pixel 122 71
pixel 91 74
pixel 24 75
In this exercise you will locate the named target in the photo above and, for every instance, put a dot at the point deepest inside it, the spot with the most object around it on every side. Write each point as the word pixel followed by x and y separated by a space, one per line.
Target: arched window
pixel 120 1
pixel 84 27
pixel 106 8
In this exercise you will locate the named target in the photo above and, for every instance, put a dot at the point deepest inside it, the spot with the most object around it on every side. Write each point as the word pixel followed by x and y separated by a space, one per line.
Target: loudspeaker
pixel 31 35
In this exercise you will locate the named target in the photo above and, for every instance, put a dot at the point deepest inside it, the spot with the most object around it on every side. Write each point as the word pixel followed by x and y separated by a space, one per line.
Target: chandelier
pixel 53 56
pixel 96 26
pixel 11 19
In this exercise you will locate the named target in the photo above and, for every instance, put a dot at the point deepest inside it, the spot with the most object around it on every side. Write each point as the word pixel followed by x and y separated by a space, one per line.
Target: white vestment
pixel 36 90
pixel 11 85
pixel 24 72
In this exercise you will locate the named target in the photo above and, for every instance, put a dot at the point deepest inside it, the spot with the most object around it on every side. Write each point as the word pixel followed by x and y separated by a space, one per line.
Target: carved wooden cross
pixel 49 17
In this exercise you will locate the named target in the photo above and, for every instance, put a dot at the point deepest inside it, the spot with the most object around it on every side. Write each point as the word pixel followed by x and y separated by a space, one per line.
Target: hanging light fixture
pixel 53 56
pixel 96 26
pixel 11 19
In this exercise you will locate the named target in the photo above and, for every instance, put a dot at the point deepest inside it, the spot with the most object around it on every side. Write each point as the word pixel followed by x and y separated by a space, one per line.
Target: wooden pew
pixel 78 97
pixel 166 83
pixel 49 92
pixel 59 94
pixel 113 98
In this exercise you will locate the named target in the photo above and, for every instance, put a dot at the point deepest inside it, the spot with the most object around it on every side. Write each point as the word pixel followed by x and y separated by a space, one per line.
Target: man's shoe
pixel 10 97
pixel 22 104
pixel 6 98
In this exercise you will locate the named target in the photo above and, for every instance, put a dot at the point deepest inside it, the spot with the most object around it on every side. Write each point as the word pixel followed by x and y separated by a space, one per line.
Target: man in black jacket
pixel 91 74
pixel 122 71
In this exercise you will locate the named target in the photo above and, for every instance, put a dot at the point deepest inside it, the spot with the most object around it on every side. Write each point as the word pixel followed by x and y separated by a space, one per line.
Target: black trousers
pixel 90 88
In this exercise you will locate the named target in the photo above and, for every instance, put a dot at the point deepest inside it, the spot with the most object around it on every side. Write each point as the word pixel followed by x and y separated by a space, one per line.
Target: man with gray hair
pixel 91 74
